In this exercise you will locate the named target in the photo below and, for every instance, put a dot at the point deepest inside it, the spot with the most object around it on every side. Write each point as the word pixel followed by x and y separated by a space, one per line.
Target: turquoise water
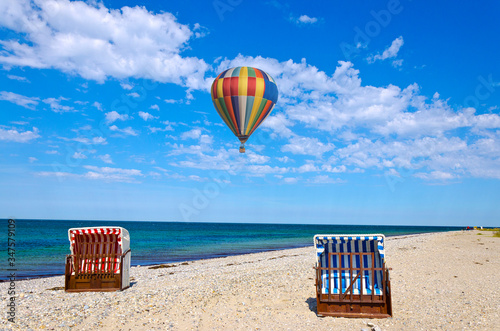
pixel 42 245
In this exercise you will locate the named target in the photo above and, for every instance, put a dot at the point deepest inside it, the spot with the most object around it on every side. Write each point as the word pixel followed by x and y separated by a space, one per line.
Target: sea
pixel 41 246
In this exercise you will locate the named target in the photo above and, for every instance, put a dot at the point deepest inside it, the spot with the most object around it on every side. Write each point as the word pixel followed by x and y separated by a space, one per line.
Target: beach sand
pixel 440 281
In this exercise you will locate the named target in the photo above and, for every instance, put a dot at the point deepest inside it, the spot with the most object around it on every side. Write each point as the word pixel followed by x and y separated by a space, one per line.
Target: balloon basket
pixel 242 148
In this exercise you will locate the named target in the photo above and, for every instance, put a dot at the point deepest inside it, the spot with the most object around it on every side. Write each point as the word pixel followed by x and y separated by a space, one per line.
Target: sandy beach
pixel 440 281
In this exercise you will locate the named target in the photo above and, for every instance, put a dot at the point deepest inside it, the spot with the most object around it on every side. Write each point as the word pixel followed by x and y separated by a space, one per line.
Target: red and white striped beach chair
pixel 351 276
pixel 99 260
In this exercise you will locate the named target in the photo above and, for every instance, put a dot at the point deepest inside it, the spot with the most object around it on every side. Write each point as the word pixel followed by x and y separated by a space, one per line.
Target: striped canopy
pixel 244 97
pixel 118 238
pixel 350 243
pixel 95 234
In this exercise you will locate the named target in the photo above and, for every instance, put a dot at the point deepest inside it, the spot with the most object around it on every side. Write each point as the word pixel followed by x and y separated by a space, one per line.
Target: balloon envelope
pixel 244 97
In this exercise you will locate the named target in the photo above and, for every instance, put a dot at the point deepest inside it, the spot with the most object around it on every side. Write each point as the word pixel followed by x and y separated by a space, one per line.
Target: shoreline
pixel 197 258
pixel 439 281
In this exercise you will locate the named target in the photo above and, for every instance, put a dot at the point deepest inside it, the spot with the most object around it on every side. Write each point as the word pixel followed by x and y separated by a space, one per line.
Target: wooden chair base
pixel 93 284
pixel 354 309
pixel 76 281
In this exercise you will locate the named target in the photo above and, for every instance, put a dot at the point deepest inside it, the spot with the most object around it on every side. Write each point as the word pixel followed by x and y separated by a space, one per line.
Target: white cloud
pixel 126 86
pixel 134 95
pixel 114 116
pixel 59 174
pixel 97 105
pixel 436 175
pixel 20 137
pixel 191 134
pixel 279 124
pixel 397 63
pixel 206 139
pixel 284 159
pixel 324 179
pixel 261 170
pixel 337 169
pixel 79 155
pixel 21 100
pixel 390 52
pixel 257 158
pixel 93 141
pixel 306 19
pixel 96 42
pixel 306 146
pixel 128 130
pixel 166 128
pixel 106 158
pixel 105 174
pixel 155 107
pixel 55 105
pixel 375 127
pixel 146 116
pixel 19 122
pixel 290 180
pixel 18 78
pixel 172 101
pixel 32 159
pixel 308 167
pixel 108 170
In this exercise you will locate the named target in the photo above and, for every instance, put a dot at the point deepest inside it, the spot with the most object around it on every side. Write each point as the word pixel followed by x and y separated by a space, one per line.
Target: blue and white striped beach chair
pixel 351 277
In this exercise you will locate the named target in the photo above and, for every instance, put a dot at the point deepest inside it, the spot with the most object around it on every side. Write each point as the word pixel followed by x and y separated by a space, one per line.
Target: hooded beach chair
pixel 351 276
pixel 99 260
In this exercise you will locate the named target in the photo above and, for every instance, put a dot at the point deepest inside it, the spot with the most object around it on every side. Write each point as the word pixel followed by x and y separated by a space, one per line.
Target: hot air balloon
pixel 244 97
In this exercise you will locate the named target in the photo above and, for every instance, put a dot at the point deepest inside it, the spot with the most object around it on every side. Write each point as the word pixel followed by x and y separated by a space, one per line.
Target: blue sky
pixel 388 111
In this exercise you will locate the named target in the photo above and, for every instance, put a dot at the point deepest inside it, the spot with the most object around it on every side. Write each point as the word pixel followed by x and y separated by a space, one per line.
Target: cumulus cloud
pixel 146 116
pixel 307 146
pixel 79 155
pixel 56 107
pixel 96 42
pixel 20 100
pixel 17 136
pixel 114 116
pixel 134 95
pixel 375 127
pixel 126 86
pixel 304 19
pixel 97 105
pixel 191 134
pixel 308 167
pixel 389 52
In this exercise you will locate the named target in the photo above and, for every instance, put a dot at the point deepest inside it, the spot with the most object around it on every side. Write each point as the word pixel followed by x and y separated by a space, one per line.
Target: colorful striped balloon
pixel 244 97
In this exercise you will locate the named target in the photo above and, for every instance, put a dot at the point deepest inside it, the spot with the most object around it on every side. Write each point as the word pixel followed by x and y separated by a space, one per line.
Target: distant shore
pixel 442 281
